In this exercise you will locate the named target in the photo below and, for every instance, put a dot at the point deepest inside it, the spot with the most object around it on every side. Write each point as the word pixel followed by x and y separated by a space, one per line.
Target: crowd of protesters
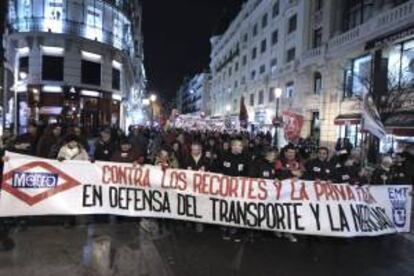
pixel 229 153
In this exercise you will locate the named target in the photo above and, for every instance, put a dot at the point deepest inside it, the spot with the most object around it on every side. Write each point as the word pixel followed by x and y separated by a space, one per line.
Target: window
pixel 251 99
pixel 236 84
pixel 358 12
pixel 116 79
pixel 263 46
pixel 52 68
pixel 245 37
pixel 317 83
pixel 352 132
pixel 261 97
pixel 244 60
pixel 275 37
pixel 254 53
pixel 318 5
pixel 316 126
pixel 271 94
pixel 292 24
pixel 243 80
pixel 357 76
pixel 262 69
pixel 236 67
pixel 317 38
pixel 290 89
pixel 23 67
pixel 273 64
pixel 91 72
pixel 290 54
pixel 230 71
pixel 264 21
pixel 401 66
pixel 53 16
pixel 275 9
pixel 94 23
pixel 253 75
pixel 255 30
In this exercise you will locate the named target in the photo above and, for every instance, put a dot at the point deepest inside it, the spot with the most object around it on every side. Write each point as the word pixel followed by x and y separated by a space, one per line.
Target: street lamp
pixel 228 108
pixel 278 94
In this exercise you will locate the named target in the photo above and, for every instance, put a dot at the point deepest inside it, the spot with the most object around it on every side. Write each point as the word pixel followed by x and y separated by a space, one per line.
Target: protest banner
pixel 36 187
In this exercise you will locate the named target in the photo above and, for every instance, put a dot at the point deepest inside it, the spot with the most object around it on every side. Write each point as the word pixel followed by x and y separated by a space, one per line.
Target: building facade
pixel 193 96
pixel 318 52
pixel 75 61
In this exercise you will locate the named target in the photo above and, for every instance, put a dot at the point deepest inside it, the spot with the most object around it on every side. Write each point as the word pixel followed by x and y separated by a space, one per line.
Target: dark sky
pixel 176 38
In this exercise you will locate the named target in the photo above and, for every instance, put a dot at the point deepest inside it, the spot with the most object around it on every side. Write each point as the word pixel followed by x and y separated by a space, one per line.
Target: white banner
pixel 35 187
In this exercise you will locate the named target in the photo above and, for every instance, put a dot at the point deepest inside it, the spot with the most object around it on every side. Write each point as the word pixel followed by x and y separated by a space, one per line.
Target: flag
pixel 243 116
pixel 371 119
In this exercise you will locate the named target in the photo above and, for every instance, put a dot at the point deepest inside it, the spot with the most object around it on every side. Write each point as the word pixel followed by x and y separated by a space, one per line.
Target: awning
pixel 401 124
pixel 348 119
pixel 384 40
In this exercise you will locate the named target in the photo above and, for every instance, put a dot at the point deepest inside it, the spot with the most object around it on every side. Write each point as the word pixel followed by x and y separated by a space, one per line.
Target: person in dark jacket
pixel 409 162
pixel 49 143
pixel 318 168
pixel 235 162
pixel 196 161
pixel 399 173
pixel 126 154
pixel 346 169
pixel 105 146
pixel 382 175
pixel 264 165
pixel 27 143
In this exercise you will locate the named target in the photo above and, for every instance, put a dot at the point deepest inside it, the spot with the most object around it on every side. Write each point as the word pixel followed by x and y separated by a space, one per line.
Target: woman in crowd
pixel 72 149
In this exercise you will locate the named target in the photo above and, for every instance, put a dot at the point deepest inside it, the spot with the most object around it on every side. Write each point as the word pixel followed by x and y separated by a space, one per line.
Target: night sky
pixel 176 38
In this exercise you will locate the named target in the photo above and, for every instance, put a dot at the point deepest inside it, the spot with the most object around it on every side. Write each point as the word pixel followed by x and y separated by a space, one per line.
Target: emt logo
pixel 37 181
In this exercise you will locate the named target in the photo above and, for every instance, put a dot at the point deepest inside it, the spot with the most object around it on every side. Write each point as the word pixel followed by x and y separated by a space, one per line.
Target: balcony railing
pixel 376 26
pixel 312 54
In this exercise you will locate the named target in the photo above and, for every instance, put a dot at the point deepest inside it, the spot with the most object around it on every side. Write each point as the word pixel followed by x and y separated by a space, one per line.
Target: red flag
pixel 243 116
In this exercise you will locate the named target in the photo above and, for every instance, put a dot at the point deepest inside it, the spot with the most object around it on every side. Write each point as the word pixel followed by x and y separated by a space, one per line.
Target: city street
pixel 54 250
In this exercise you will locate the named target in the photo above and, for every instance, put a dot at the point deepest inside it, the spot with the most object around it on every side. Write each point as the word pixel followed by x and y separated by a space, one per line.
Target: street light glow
pixel 146 102
pixel 228 108
pixel 153 98
pixel 23 75
pixel 278 92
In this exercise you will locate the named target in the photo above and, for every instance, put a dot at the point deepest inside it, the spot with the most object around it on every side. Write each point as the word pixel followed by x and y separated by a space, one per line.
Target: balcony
pixel 381 24
pixel 312 55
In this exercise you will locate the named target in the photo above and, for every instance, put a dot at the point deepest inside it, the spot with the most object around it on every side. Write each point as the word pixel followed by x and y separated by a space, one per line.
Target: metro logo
pixel 36 175
pixel 34 180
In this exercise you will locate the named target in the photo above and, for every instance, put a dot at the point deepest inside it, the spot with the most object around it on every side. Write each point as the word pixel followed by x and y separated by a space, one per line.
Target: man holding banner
pixel 38 187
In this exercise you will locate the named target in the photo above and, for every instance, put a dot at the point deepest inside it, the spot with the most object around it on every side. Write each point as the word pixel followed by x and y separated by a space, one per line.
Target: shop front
pixel 71 106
